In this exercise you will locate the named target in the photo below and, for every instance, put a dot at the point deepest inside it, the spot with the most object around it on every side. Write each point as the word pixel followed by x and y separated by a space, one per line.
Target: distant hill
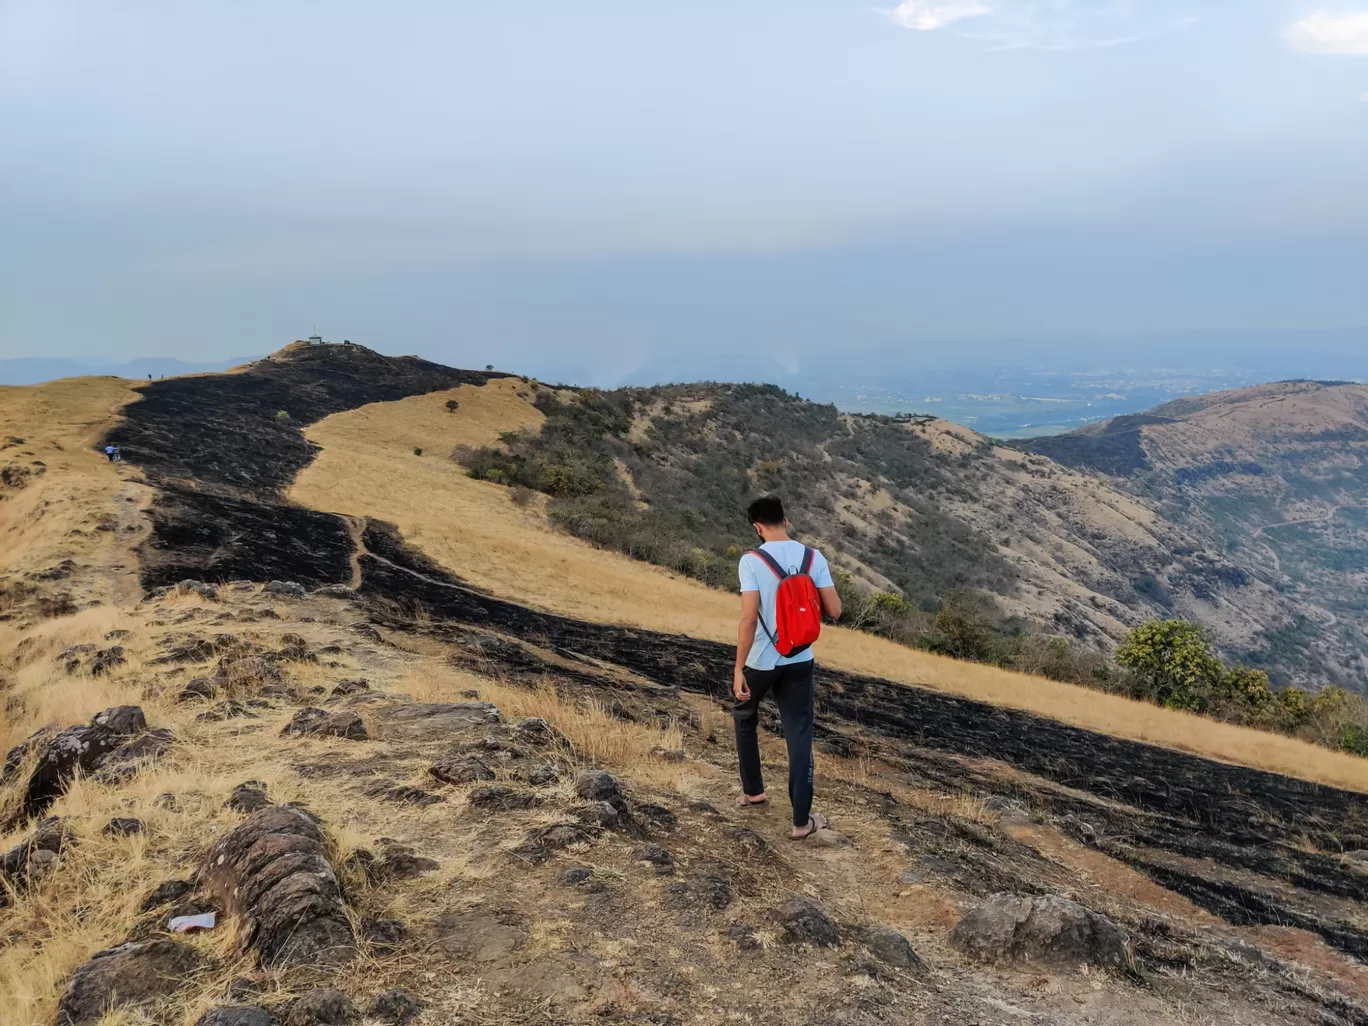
pixel 917 507
pixel 1275 480
pixel 36 369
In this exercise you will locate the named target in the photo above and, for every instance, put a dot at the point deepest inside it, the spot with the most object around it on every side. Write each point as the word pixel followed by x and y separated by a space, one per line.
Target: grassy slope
pixel 367 467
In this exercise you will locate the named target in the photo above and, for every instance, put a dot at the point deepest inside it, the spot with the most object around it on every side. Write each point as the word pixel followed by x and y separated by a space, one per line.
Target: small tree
pixel 282 415
pixel 452 405
pixel 1172 662
pixel 489 366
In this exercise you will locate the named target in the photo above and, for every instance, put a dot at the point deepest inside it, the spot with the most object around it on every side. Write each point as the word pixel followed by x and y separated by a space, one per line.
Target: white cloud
pixel 929 15
pixel 1324 32
pixel 1046 24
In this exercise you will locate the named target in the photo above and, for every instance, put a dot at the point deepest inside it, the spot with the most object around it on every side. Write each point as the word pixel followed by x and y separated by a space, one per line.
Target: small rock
pixel 576 875
pixel 538 731
pixel 248 796
pixel 241 989
pixel 366 631
pixel 323 1006
pixel 604 815
pixel 892 948
pixel 670 754
pixel 316 722
pixel 286 589
pixel 502 799
pixel 198 689
pixel 803 922
pixel 351 686
pixel 123 827
pixel 396 1006
pixel 131 975
pixel 40 864
pixel 122 719
pixel 542 775
pixel 1079 829
pixel 200 588
pixel 598 786
pixel 470 693
pixel 1045 930
pixel 336 591
pixel 237 1015
pixel 399 862
pixel 654 854
pixel 165 893
pixel 454 770
pixel 383 934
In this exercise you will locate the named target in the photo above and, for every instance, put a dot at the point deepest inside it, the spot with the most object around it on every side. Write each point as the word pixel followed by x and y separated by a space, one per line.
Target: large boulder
pixel 130 975
pixel 271 871
pixel 1045 930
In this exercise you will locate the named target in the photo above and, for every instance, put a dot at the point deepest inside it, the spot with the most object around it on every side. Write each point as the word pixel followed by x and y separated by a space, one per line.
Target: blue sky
pixel 507 182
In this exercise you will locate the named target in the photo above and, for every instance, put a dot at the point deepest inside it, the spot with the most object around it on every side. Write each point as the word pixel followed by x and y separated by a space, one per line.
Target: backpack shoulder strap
pixel 809 553
pixel 770 562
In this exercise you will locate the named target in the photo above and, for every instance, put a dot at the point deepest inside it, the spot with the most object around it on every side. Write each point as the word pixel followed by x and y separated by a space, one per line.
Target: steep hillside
pixel 916 507
pixel 406 798
pixel 1275 478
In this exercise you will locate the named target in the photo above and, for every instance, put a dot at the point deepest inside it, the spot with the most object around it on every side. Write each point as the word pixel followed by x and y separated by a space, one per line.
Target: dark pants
pixel 791 687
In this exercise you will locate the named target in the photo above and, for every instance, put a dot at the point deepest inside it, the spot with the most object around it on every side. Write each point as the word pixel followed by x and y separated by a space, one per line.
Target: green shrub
pixel 452 405
pixel 1172 663
pixel 282 414
pixel 417 451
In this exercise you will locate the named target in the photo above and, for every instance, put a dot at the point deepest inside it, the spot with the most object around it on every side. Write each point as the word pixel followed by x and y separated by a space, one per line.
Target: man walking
pixel 762 668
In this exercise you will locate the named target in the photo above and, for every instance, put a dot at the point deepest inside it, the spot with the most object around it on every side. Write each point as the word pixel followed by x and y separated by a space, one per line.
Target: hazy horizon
pixel 615 187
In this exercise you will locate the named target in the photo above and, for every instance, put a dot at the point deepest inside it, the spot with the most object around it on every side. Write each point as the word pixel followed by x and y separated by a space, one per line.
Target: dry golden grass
pixel 367 467
pixel 597 737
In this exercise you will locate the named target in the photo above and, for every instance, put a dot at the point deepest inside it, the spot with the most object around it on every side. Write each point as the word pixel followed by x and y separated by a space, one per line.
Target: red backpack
pixel 797 606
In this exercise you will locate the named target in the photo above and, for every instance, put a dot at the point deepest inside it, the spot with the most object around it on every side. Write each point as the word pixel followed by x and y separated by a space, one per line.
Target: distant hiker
pixel 110 453
pixel 785 588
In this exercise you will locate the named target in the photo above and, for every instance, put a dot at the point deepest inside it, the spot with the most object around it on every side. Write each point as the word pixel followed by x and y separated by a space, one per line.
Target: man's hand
pixel 739 686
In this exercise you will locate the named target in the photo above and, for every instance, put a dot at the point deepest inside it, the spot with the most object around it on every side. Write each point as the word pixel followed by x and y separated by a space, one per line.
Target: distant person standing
pixel 785 588
pixel 111 453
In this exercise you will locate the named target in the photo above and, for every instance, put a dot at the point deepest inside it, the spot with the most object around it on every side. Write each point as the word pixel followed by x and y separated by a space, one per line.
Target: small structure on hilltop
pixel 315 340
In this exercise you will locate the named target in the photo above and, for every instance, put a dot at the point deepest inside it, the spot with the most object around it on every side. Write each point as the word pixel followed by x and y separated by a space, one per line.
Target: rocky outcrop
pixel 321 723
pixel 81 749
pixel 271 873
pixel 130 975
pixel 1047 930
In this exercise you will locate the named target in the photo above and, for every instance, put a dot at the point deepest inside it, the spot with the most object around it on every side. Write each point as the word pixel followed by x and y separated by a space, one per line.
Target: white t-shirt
pixel 757 576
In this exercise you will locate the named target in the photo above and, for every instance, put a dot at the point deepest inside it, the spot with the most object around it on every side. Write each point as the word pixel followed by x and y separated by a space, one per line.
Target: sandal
pixel 746 801
pixel 818 822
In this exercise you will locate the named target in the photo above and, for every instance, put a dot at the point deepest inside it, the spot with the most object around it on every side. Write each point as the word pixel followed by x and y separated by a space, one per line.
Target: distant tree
pixel 489 366
pixel 417 451
pixel 1173 663
pixel 282 415
pixel 452 405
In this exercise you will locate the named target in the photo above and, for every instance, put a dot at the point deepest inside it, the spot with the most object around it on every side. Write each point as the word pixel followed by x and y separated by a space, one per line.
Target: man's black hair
pixel 767 511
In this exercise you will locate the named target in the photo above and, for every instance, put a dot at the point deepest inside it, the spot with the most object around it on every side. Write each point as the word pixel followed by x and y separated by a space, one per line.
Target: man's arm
pixel 831 602
pixel 745 638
